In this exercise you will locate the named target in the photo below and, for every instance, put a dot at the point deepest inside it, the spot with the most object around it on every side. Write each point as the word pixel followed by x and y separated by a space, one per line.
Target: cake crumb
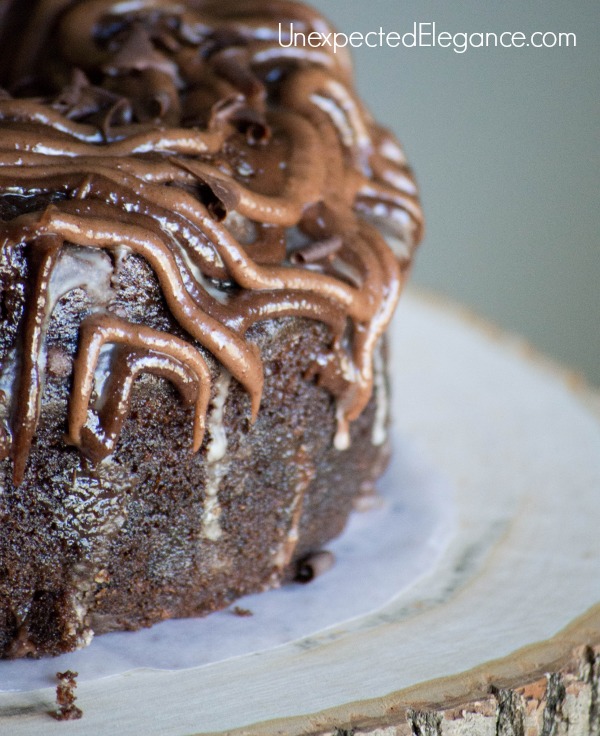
pixel 65 697
pixel 59 362
pixel 102 577
pixel 243 612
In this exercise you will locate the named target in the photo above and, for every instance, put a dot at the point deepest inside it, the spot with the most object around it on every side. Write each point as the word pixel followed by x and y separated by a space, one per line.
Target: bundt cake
pixel 204 236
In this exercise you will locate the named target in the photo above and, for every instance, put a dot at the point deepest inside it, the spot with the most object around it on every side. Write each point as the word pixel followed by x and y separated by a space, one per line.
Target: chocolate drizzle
pixel 140 349
pixel 187 134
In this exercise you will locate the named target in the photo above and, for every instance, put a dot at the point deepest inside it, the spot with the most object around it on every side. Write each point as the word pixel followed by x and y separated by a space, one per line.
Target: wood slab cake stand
pixel 502 638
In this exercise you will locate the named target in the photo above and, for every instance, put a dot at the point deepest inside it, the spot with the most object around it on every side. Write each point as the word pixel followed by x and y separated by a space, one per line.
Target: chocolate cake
pixel 204 236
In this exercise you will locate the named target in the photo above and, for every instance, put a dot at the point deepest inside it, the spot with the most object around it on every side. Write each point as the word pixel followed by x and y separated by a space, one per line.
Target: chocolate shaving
pixel 317 251
pixel 253 123
pixel 137 53
pixel 223 196
pixel 223 111
pixel 234 110
pixel 241 612
pixel 313 565
pixel 232 64
pixel 120 113
pixel 81 99
pixel 65 697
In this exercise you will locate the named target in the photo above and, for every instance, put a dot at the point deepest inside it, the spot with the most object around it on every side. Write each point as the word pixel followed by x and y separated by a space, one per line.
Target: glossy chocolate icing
pixel 247 175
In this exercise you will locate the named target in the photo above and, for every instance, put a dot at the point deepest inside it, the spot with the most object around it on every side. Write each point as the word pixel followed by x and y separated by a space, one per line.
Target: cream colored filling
pixel 215 468
pixel 380 391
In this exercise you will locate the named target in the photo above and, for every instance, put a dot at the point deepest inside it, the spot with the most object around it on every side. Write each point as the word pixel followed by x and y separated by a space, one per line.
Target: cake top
pixel 241 167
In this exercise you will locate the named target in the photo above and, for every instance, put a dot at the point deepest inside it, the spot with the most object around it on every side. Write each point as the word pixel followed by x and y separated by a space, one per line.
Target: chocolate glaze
pixel 246 174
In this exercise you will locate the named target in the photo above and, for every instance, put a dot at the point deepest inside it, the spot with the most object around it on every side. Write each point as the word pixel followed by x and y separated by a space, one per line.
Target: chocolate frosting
pixel 246 173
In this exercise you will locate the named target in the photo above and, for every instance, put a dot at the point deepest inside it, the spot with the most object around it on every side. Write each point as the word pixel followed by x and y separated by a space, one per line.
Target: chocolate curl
pixel 318 251
pixel 303 185
pixel 153 96
pixel 313 565
pixel 75 99
pixel 81 99
pixel 222 111
pixel 253 124
pixel 234 110
pixel 224 194
pixel 137 53
pixel 232 64
pixel 117 115
pixel 250 275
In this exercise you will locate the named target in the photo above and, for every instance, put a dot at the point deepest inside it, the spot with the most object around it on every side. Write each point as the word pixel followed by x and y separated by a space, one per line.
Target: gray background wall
pixel 506 147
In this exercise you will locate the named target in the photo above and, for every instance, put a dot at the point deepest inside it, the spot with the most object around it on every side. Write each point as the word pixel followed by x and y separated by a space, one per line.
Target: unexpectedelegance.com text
pixel 424 35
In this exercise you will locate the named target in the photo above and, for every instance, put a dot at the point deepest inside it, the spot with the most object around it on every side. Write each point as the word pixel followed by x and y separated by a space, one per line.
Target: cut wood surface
pixel 503 637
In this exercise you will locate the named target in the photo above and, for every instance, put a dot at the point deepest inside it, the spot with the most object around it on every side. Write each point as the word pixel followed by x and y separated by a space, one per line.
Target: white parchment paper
pixel 381 553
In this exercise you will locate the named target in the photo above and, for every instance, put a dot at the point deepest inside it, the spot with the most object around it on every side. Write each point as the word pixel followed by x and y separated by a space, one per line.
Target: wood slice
pixel 503 637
